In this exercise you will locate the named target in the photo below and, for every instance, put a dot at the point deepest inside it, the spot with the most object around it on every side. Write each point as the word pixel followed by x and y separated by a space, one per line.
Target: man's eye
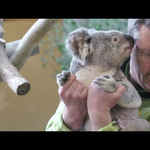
pixel 148 54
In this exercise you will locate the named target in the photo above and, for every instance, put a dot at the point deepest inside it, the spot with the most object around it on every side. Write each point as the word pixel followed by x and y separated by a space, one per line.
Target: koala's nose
pixel 129 38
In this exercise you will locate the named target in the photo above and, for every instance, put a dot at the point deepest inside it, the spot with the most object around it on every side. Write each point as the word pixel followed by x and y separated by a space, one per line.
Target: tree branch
pixel 30 41
pixel 12 46
pixel 1 28
pixel 8 72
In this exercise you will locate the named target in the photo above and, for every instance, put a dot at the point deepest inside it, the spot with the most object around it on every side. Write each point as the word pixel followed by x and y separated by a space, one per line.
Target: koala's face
pixel 104 48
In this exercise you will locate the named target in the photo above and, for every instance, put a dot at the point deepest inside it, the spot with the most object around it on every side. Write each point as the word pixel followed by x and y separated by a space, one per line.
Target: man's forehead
pixel 143 41
pixel 143 47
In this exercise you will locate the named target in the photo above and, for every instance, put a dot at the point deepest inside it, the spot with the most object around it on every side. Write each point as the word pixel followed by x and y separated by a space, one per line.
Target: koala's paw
pixel 106 83
pixel 62 77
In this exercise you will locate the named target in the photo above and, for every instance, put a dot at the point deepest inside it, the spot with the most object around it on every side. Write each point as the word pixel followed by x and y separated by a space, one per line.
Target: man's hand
pixel 99 104
pixel 74 95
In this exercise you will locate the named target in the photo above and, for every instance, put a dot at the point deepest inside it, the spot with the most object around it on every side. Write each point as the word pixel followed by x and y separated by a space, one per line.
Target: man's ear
pixel 78 41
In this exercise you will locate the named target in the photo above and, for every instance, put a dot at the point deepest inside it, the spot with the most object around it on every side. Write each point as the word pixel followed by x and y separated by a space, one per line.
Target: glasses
pixel 145 56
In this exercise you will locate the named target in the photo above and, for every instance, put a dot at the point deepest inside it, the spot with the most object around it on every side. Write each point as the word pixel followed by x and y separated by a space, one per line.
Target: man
pixel 78 99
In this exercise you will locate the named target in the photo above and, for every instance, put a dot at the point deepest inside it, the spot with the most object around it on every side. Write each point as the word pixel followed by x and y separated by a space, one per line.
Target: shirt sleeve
pixel 110 127
pixel 56 122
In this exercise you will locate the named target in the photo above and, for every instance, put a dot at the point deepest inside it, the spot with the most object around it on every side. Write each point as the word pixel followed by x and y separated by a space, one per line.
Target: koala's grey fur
pixel 97 57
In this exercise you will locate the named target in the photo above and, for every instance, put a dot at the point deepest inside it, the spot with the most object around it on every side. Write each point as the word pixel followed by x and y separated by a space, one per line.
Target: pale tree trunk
pixel 24 50
pixel 11 48
pixel 8 72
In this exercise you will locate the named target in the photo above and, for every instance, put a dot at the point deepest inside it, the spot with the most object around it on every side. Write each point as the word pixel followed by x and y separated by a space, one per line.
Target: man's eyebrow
pixel 146 50
pixel 143 49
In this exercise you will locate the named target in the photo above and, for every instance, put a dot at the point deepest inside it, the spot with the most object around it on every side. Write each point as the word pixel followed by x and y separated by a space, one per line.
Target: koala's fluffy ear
pixel 77 43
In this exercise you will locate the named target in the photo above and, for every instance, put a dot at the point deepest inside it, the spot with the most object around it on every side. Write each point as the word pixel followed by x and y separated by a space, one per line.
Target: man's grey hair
pixel 134 25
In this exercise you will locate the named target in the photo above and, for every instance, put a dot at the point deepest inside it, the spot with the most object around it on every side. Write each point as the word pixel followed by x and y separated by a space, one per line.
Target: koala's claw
pixel 62 77
pixel 106 76
pixel 118 123
pixel 106 83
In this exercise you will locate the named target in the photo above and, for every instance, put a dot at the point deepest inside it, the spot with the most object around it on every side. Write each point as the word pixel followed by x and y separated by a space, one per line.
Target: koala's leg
pixel 62 77
pixel 133 125
pixel 106 83
pixel 128 119
pixel 131 98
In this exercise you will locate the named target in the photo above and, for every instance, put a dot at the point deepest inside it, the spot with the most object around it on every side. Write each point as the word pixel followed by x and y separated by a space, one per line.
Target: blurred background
pixel 32 111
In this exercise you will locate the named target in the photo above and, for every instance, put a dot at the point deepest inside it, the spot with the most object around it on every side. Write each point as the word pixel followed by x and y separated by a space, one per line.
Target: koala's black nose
pixel 129 38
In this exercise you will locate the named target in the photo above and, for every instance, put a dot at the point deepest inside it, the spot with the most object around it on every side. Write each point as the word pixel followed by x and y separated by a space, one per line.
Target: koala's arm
pixel 75 66
pixel 131 98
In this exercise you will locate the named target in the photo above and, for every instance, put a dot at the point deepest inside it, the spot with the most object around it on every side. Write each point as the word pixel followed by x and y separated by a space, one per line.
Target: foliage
pixel 62 30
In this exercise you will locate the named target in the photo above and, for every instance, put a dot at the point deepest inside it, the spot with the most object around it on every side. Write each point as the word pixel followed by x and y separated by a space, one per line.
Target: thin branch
pixel 30 41
pixel 12 46
pixel 1 28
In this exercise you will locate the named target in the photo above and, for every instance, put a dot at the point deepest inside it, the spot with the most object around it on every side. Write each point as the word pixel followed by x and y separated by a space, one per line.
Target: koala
pixel 97 57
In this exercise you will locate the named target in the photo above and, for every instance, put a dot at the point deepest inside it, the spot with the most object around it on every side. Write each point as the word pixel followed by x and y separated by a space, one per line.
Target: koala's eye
pixel 115 39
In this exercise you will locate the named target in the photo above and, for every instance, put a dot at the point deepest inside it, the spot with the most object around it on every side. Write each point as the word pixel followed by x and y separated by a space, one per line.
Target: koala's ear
pixel 77 41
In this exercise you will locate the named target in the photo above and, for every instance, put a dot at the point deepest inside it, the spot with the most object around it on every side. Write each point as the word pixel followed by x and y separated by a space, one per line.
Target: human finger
pixel 73 86
pixel 79 89
pixel 84 93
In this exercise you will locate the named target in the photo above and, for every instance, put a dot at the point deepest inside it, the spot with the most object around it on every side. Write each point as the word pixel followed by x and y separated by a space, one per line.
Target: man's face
pixel 140 59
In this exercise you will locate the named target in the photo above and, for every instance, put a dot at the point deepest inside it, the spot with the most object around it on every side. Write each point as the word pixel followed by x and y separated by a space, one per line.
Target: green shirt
pixel 56 122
